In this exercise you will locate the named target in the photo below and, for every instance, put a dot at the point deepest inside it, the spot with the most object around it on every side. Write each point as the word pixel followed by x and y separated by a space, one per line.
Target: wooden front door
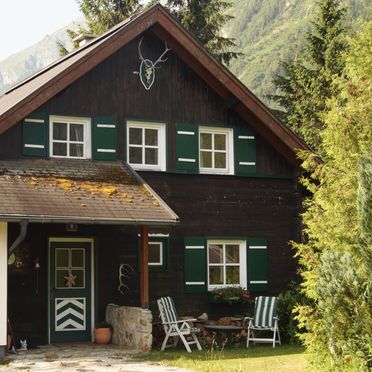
pixel 70 295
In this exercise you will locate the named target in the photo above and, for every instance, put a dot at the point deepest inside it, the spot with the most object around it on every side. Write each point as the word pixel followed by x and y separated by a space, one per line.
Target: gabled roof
pixel 78 191
pixel 26 97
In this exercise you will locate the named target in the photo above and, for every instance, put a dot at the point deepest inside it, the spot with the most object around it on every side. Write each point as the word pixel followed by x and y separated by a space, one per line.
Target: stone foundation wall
pixel 132 326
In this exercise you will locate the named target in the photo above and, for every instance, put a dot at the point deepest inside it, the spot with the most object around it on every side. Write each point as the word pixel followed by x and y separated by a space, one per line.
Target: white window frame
pixel 160 263
pixel 242 263
pixel 229 150
pixel 161 166
pixel 86 122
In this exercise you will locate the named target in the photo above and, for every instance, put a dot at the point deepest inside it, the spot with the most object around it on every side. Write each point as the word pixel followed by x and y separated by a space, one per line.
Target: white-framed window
pixel 146 145
pixel 227 263
pixel 69 137
pixel 216 150
pixel 155 254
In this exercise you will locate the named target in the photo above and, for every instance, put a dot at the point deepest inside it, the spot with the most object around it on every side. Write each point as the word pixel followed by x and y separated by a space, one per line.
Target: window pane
pixel 77 257
pixel 205 159
pixel 151 156
pixel 232 253
pixel 60 131
pixel 79 280
pixel 135 136
pixel 220 160
pixel 135 155
pixel 215 275
pixel 60 280
pixel 232 275
pixel 215 253
pixel 154 252
pixel 76 150
pixel 76 132
pixel 220 141
pixel 60 149
pixel 62 258
pixel 151 137
pixel 206 141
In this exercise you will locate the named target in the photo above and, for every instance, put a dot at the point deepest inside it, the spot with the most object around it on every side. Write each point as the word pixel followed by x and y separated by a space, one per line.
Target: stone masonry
pixel 132 326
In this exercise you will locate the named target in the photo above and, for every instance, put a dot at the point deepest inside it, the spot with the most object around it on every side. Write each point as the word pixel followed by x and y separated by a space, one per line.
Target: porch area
pixel 73 239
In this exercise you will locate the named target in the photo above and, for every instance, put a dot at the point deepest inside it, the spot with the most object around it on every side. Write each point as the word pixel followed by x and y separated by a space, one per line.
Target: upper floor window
pixel 215 150
pixel 226 264
pixel 70 137
pixel 146 148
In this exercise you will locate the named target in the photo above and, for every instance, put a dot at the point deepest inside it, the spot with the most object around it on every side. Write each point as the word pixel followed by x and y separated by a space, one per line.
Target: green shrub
pixel 287 303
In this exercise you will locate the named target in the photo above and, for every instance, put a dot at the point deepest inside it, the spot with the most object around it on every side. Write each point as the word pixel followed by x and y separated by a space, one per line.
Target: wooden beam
pixel 144 267
pixel 3 286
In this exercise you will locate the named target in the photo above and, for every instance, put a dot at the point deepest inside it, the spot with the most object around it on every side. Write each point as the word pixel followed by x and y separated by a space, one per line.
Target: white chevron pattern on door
pixel 70 314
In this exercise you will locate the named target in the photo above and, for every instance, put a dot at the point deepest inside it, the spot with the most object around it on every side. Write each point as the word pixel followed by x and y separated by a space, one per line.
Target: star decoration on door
pixel 70 279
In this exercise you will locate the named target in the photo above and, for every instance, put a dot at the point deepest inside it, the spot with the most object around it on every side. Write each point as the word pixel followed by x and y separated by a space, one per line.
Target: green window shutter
pixel 245 151
pixel 257 264
pixel 104 146
pixel 195 265
pixel 187 147
pixel 35 135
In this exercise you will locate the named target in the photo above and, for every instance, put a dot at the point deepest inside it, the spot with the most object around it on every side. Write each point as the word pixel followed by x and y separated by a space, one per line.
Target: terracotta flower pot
pixel 102 336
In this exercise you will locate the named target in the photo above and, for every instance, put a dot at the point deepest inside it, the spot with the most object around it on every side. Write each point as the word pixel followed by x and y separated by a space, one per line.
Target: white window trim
pixel 86 122
pixel 162 150
pixel 242 263
pixel 160 263
pixel 229 151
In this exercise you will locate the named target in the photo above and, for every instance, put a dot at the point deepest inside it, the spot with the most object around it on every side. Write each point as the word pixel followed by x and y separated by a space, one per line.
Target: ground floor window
pixel 226 263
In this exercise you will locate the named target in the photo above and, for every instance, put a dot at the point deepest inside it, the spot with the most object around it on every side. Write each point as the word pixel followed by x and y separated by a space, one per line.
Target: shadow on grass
pixel 257 351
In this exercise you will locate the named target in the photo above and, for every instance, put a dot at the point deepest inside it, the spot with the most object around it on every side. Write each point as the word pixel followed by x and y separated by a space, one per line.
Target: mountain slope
pixel 20 65
pixel 272 30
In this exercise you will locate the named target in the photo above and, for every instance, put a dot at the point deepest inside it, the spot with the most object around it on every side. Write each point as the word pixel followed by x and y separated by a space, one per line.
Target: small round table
pixel 223 329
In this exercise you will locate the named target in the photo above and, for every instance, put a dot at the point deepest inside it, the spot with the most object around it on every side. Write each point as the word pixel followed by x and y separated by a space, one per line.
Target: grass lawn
pixel 257 358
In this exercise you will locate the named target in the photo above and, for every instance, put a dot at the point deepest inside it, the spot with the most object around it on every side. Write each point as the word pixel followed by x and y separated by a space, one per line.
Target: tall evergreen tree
pixel 101 15
pixel 306 82
pixel 205 20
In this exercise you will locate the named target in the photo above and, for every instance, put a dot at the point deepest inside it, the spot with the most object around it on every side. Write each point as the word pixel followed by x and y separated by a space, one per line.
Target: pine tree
pixel 101 15
pixel 205 20
pixel 306 82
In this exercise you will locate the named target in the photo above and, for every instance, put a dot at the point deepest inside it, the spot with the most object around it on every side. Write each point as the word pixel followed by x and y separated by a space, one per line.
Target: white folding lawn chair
pixel 264 319
pixel 173 327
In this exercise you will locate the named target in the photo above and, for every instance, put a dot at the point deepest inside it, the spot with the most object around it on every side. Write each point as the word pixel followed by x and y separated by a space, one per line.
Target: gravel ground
pixel 79 357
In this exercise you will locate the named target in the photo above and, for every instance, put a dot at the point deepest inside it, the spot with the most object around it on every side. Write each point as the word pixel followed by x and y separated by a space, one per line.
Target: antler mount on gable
pixel 147 67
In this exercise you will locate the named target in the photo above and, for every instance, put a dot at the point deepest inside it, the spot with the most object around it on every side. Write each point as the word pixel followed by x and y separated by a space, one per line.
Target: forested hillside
pixel 267 31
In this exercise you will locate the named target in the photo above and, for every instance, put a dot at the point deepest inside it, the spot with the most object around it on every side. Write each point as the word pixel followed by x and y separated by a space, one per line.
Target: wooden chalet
pixel 138 151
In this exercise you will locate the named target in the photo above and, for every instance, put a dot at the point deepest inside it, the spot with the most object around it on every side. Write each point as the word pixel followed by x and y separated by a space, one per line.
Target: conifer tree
pixel 306 82
pixel 205 20
pixel 101 15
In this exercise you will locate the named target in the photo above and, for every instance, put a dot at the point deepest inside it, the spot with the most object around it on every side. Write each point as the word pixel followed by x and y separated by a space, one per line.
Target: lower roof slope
pixel 78 191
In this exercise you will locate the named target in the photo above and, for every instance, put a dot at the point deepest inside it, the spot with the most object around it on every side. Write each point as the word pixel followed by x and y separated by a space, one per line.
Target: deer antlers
pixel 159 60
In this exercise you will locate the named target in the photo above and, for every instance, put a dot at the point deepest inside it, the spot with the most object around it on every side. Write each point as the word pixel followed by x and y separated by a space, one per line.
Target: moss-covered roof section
pixel 64 190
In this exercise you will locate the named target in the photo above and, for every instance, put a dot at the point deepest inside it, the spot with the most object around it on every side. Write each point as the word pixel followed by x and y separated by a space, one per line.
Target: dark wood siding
pixel 178 95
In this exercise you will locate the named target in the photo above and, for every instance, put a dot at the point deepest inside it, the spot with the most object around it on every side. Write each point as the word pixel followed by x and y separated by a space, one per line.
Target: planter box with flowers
pixel 229 295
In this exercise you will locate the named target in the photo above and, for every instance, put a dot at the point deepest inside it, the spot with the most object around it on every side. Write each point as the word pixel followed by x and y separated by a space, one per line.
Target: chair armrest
pixel 247 317
pixel 180 321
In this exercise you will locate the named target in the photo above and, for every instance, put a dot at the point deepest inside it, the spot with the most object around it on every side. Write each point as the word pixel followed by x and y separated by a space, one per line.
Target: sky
pixel 25 22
